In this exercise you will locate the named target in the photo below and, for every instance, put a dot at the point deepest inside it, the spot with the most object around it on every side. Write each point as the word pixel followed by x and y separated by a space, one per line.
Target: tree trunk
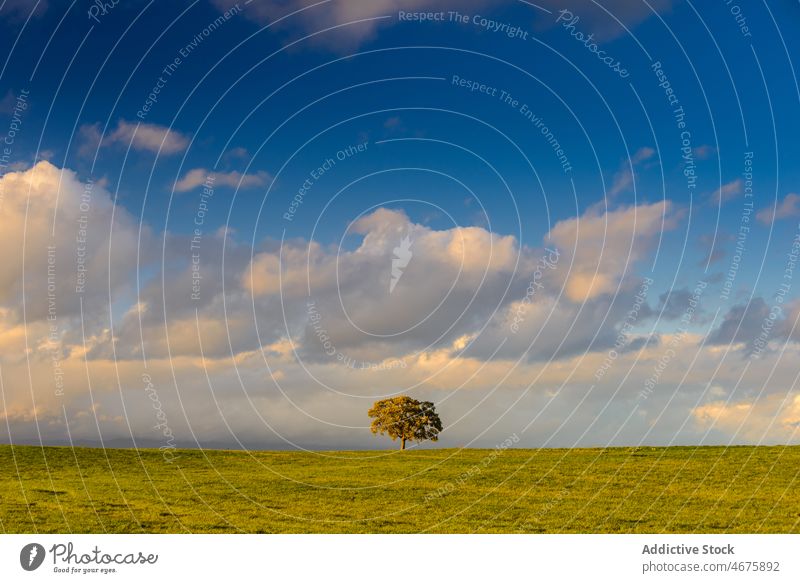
pixel 402 443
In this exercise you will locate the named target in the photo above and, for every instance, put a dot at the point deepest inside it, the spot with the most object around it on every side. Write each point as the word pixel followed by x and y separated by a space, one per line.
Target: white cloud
pixel 43 230
pixel 459 287
pixel 199 176
pixel 771 419
pixel 147 137
pixel 150 137
pixel 140 136
pixel 600 248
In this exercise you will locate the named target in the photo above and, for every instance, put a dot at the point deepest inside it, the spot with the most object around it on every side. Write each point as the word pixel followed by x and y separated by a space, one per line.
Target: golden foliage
pixel 406 419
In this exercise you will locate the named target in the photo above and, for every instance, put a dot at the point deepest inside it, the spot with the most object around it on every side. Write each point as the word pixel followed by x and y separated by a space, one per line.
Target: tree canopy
pixel 405 419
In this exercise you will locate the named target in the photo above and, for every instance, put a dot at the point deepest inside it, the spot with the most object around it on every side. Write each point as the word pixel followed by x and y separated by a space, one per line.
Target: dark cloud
pixel 673 305
pixel 740 322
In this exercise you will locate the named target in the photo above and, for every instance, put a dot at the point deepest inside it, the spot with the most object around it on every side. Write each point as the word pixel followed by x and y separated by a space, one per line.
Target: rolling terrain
pixel 615 490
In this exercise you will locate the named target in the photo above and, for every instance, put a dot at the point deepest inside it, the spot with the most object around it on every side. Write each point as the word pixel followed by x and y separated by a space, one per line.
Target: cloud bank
pixel 288 344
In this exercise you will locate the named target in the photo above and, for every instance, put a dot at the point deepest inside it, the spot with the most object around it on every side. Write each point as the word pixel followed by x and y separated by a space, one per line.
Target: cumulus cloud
pixel 788 208
pixel 577 303
pixel 60 234
pixel 246 362
pixel 601 248
pixel 197 177
pixel 455 278
pixel 464 286
pixel 67 251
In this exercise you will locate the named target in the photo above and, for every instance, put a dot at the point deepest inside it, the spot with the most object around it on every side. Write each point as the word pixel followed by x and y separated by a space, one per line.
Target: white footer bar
pixel 401 558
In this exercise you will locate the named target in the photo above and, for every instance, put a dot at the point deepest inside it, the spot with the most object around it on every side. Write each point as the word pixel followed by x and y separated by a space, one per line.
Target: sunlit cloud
pixel 197 177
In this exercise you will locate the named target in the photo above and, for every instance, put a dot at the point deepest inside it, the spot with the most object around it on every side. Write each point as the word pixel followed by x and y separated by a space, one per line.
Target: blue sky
pixel 271 91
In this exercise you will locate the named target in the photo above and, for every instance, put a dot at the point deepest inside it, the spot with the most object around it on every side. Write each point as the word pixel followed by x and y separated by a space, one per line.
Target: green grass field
pixel 619 490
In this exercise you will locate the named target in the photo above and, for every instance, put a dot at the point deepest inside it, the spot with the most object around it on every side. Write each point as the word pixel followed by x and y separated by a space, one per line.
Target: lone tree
pixel 406 419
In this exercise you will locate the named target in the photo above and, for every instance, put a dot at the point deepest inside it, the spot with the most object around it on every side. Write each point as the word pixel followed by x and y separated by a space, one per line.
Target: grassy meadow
pixel 616 490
